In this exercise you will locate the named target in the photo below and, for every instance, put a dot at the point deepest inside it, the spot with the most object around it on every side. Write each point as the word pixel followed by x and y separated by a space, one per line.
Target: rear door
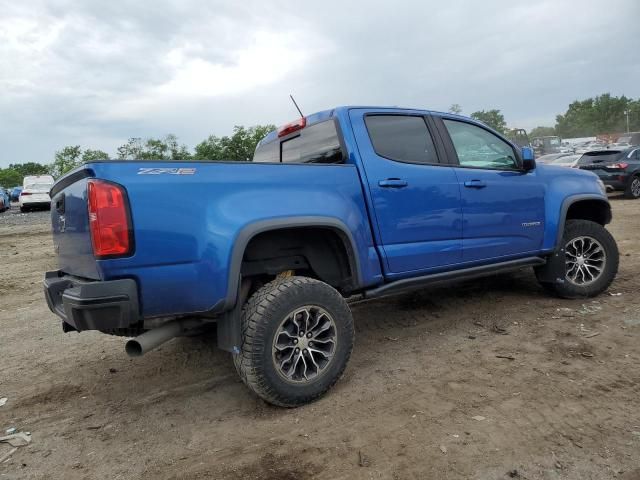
pixel 502 206
pixel 415 195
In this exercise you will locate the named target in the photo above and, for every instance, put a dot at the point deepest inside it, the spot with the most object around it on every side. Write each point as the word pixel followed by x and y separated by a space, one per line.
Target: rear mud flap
pixel 230 324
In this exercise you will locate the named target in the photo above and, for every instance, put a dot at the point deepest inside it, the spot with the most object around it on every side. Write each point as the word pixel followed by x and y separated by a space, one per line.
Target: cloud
pixel 95 73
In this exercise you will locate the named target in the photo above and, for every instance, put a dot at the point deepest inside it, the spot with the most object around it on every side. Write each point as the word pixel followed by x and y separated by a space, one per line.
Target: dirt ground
pixel 492 379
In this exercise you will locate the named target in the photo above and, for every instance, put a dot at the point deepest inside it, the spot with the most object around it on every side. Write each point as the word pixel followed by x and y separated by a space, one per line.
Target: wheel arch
pixel 582 207
pixel 253 230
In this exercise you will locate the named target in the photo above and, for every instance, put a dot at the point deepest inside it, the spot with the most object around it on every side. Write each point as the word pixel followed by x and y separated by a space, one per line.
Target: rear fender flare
pixel 253 229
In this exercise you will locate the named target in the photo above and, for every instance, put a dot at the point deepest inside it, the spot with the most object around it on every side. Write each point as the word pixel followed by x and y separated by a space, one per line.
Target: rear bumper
pixel 615 181
pixel 35 203
pixel 92 305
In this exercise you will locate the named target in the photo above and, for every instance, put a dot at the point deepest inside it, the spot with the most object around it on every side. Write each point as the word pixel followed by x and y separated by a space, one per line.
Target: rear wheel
pixel 297 336
pixel 633 188
pixel 591 260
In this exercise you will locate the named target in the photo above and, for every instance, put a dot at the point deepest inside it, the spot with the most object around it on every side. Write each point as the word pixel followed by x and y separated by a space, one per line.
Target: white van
pixel 35 192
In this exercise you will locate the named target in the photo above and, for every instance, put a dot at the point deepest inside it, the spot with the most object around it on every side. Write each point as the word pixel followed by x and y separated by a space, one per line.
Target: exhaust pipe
pixel 136 347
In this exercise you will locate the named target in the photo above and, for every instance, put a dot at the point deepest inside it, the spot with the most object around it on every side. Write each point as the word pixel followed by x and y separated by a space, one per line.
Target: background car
pixel 631 138
pixel 36 192
pixel 15 193
pixel 547 144
pixel 618 169
pixel 5 200
pixel 550 157
pixel 591 147
pixel 567 161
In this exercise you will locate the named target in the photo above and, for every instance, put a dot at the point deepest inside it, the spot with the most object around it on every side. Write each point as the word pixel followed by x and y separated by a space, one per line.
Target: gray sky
pixel 95 73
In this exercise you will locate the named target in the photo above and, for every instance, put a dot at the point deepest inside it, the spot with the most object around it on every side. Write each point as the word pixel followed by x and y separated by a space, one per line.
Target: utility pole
pixel 626 112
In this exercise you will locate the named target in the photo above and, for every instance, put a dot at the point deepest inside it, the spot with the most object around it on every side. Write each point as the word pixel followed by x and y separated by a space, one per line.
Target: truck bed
pixel 188 216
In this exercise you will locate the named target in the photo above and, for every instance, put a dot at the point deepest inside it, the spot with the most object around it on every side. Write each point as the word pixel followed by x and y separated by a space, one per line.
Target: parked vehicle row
pixel 33 194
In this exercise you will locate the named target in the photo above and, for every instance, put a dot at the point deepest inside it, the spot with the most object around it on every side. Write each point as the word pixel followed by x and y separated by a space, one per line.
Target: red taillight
pixel 24 194
pixel 108 219
pixel 292 127
pixel 620 165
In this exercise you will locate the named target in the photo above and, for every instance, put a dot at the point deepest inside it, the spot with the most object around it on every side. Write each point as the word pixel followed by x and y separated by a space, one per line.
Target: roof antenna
pixel 297 107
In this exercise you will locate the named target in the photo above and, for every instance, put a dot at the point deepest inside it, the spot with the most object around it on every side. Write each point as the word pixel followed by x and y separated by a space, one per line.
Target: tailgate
pixel 70 226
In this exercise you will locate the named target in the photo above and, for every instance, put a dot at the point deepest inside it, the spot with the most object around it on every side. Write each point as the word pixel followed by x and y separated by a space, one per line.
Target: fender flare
pixel 566 203
pixel 248 232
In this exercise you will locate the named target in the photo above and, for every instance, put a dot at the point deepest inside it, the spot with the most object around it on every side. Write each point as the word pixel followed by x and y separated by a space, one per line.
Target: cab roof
pixel 327 114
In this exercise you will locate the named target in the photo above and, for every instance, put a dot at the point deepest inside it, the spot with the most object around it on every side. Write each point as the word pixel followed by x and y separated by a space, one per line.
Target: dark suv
pixel 618 169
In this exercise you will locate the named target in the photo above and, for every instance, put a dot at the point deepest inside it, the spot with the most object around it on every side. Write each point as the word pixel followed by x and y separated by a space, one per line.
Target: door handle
pixel 475 184
pixel 393 183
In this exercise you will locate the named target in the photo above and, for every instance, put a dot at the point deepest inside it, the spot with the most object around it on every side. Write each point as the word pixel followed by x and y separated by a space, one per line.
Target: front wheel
pixel 591 260
pixel 297 336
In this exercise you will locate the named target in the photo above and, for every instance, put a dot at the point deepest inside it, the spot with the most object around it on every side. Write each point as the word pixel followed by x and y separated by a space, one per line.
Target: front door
pixel 502 206
pixel 415 195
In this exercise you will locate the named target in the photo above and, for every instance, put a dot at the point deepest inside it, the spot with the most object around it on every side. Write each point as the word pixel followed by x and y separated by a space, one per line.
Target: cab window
pixel 479 148
pixel 403 138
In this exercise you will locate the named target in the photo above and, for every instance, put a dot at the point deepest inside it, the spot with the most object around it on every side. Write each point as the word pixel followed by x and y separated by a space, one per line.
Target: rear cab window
pixel 316 143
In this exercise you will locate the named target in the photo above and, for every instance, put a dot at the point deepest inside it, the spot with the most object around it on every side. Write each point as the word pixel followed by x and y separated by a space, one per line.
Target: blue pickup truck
pixel 364 201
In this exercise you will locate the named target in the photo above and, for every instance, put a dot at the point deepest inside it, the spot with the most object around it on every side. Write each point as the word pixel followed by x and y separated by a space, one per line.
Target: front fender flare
pixel 566 204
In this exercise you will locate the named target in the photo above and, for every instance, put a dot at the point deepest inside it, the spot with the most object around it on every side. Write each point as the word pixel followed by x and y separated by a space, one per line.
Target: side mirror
pixel 528 159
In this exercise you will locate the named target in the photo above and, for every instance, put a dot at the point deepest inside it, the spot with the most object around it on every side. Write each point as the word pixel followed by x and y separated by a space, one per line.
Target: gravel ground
pixel 14 217
pixel 491 379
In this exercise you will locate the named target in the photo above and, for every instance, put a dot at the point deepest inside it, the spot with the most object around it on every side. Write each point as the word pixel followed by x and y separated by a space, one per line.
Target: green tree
pixel 93 155
pixel 542 132
pixel 66 159
pixel 491 118
pixel 599 115
pixel 29 168
pixel 238 147
pixel 455 108
pixel 10 177
pixel 166 148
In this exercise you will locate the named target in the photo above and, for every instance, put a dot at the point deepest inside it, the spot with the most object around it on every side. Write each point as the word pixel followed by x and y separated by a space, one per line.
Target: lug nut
pixel 297 350
pixel 295 340
pixel 309 335
pixel 302 334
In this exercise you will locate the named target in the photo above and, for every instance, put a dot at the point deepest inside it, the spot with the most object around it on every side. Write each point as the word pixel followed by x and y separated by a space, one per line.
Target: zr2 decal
pixel 167 171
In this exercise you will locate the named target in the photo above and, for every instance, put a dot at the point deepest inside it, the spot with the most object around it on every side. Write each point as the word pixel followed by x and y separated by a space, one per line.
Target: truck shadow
pixel 191 372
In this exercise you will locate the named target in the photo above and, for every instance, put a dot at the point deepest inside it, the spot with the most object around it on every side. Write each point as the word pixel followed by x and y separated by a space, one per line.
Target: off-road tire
pixel 261 318
pixel 586 228
pixel 632 190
